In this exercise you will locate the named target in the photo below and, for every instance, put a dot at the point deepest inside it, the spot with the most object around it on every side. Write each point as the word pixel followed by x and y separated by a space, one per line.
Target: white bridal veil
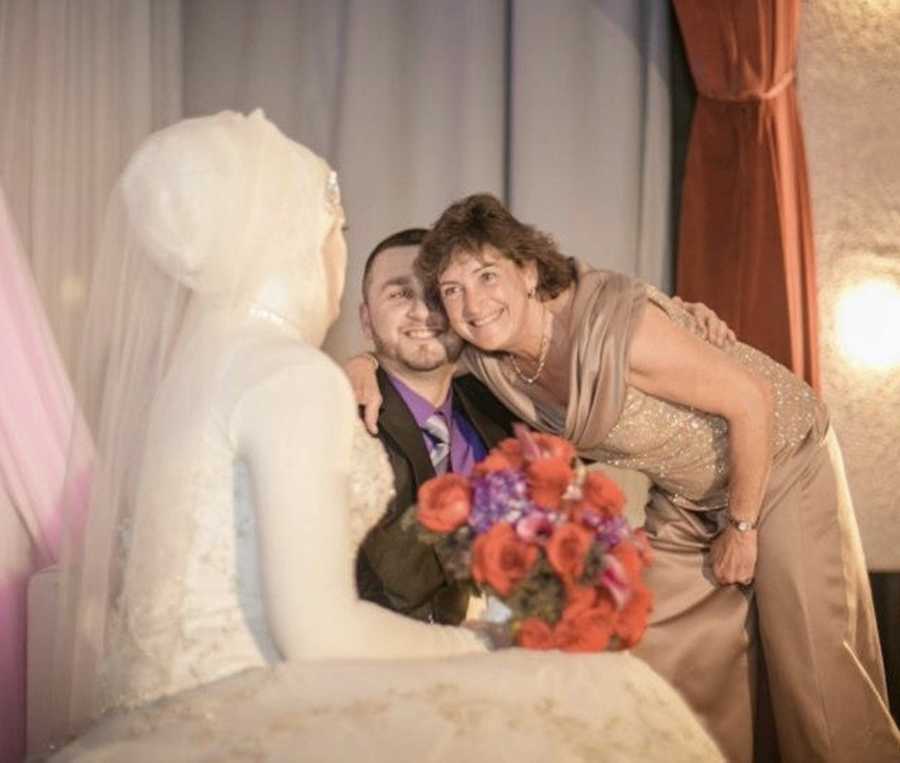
pixel 204 213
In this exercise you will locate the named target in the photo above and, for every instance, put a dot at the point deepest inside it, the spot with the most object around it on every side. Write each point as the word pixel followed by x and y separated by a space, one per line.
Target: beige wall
pixel 849 83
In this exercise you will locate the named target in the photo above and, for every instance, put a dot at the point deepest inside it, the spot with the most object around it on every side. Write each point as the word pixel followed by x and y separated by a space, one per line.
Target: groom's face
pixel 406 331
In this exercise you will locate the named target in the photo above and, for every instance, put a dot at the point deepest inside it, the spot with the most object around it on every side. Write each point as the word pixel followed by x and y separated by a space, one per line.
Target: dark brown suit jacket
pixel 393 568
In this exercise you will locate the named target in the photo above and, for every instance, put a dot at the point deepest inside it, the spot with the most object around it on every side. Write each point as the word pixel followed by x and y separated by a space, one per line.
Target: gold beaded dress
pixel 821 683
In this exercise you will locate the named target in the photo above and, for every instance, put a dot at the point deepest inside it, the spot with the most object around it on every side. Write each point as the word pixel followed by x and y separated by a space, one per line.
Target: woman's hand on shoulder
pixel 360 370
pixel 712 327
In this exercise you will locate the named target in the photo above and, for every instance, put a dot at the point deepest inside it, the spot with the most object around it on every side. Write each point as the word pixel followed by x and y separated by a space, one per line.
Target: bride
pixel 209 609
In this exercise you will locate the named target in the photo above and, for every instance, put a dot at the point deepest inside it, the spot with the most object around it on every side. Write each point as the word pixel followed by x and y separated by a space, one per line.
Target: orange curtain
pixel 745 241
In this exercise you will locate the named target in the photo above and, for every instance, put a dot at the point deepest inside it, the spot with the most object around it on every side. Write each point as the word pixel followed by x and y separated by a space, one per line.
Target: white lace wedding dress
pixel 198 678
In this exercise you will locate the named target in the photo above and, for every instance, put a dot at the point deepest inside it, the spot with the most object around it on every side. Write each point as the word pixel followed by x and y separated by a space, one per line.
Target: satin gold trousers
pixel 791 667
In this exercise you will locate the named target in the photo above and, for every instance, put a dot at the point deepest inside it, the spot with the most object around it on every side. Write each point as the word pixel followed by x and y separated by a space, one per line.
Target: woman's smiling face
pixel 486 297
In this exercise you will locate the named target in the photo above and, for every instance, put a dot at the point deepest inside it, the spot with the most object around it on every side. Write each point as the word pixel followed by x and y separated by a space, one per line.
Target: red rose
pixel 605 603
pixel 501 559
pixel 588 631
pixel 578 599
pixel 567 550
pixel 603 494
pixel 632 620
pixel 548 479
pixel 495 461
pixel 554 447
pixel 534 633
pixel 444 503
pixel 642 544
pixel 576 512
pixel 511 448
pixel 630 559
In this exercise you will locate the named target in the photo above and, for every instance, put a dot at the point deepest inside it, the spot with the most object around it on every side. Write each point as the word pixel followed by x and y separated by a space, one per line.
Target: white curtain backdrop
pixel 590 156
pixel 563 109
pixel 83 81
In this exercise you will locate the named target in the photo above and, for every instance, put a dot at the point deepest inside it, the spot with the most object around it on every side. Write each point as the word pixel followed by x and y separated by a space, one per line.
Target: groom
pixel 429 423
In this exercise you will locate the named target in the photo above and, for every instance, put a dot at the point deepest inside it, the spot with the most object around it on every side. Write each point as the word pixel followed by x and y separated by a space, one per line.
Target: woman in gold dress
pixel 757 548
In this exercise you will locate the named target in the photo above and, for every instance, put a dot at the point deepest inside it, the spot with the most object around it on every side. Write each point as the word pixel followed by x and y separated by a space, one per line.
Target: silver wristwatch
pixel 741 525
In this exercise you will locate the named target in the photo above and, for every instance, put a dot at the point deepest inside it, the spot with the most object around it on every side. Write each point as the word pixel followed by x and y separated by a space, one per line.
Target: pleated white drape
pixel 81 83
pixel 590 156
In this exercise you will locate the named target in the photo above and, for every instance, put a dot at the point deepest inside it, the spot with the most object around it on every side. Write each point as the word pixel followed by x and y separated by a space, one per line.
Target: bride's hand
pixel 714 328
pixel 733 556
pixel 360 369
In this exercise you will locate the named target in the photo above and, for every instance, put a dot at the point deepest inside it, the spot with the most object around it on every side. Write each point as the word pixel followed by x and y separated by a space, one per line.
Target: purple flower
pixel 610 531
pixel 498 496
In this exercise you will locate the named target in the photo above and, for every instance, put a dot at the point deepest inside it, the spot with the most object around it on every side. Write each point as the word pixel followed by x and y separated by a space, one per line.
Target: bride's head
pixel 237 212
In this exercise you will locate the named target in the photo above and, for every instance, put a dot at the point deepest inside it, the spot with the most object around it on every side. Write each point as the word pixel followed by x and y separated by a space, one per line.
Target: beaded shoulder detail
pixel 685 450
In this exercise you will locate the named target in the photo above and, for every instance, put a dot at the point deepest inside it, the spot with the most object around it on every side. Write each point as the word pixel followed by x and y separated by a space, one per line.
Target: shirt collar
pixel 421 408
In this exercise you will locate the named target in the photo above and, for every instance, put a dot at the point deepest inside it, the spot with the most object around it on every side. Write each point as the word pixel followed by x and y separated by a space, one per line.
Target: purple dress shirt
pixel 466 445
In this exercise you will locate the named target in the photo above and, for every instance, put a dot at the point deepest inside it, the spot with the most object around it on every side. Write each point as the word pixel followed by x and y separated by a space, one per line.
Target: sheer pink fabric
pixel 35 427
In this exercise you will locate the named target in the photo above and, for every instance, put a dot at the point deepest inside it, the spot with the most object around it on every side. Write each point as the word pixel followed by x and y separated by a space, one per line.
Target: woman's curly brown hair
pixel 480 219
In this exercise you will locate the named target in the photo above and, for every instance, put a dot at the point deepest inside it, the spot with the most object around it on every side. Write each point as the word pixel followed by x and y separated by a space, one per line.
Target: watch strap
pixel 741 525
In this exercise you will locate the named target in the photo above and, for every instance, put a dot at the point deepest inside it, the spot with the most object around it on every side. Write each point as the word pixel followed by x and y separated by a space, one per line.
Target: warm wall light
pixel 868 324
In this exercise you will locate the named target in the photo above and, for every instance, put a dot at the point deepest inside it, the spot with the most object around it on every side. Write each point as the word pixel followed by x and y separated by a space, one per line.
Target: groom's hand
pixel 714 329
pixel 360 370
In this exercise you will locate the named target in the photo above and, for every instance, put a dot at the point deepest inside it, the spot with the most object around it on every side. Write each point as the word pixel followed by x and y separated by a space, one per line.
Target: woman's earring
pixel 531 293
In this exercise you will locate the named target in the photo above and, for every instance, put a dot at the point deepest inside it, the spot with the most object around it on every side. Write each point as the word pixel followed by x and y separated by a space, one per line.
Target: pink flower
pixel 534 527
pixel 615 580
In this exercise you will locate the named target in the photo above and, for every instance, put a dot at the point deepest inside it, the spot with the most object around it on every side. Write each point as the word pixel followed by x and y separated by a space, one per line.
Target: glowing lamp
pixel 868 324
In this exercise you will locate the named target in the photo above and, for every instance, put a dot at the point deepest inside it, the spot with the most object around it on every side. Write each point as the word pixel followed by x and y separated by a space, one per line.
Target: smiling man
pixel 429 423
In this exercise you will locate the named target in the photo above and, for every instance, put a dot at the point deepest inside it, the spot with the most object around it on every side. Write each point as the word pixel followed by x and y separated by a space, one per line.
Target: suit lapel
pixel 398 423
pixel 490 431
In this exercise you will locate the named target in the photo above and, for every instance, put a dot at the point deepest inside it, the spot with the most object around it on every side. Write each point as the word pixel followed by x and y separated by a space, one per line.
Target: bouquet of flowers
pixel 547 537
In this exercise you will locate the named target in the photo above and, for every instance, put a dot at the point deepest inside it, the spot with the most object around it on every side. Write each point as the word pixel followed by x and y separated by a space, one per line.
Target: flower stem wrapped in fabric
pixel 548 538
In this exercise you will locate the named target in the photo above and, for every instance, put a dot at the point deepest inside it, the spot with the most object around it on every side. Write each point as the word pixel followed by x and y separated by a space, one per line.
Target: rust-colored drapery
pixel 745 242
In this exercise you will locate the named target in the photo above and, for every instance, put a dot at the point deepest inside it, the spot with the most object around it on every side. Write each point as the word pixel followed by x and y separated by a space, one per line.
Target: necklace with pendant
pixel 542 354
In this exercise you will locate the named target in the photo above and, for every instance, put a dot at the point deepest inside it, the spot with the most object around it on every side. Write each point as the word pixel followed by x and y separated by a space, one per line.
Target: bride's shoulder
pixel 289 374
